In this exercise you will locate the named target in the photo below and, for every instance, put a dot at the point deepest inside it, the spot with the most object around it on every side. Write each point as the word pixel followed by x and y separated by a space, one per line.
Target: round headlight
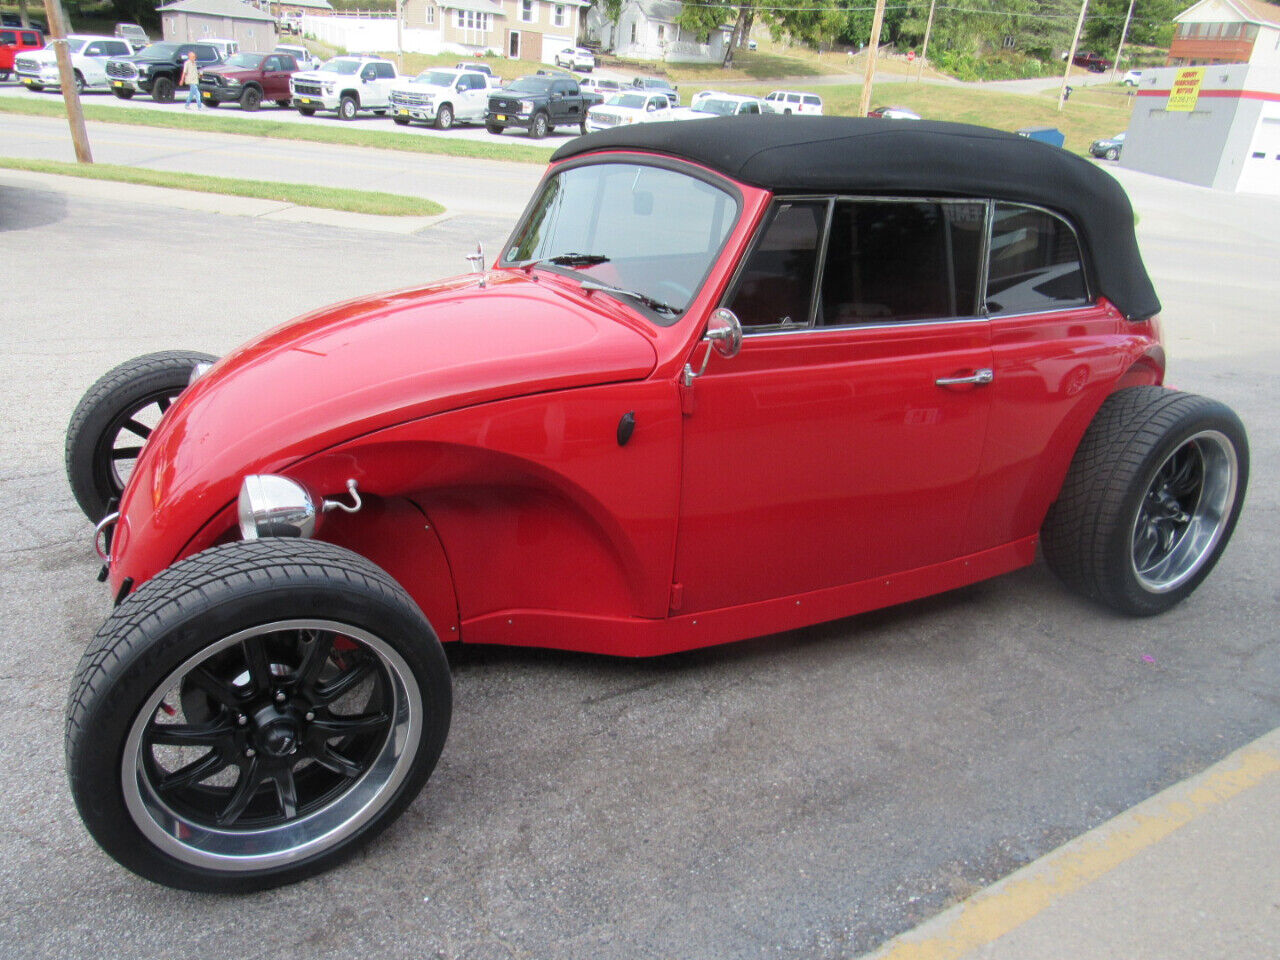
pixel 274 506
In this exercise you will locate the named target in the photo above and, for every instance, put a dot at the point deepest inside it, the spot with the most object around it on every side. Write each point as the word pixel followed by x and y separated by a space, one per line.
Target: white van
pixel 795 101
pixel 225 48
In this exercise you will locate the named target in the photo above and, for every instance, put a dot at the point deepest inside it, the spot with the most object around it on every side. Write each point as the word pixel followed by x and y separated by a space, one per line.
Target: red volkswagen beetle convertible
pixel 726 378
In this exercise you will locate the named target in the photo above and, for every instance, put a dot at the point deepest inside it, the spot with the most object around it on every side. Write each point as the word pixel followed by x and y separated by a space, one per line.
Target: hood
pixel 378 361
pixel 222 70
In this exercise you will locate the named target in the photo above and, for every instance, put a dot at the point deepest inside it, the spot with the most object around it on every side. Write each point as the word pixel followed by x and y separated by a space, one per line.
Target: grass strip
pixel 303 195
pixel 320 132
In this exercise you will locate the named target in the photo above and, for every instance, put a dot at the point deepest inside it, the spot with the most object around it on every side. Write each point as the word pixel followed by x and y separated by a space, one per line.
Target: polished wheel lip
pixel 232 851
pixel 1207 519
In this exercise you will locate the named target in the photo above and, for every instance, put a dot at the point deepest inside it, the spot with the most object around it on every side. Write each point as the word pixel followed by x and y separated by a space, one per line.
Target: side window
pixel 8 36
pixel 204 54
pixel 813 101
pixel 903 260
pixel 1034 264
pixel 271 63
pixel 775 288
pixel 31 39
pixel 750 108
pixel 93 50
pixel 385 71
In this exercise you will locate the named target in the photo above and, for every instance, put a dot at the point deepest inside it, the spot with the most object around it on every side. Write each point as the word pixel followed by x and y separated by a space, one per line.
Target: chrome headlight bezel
pixel 270 505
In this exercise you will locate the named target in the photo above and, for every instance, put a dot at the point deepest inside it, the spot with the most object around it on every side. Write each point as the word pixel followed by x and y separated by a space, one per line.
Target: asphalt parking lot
pixel 802 795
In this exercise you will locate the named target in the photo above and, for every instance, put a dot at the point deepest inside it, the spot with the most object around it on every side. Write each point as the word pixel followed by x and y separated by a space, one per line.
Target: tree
pixel 1152 23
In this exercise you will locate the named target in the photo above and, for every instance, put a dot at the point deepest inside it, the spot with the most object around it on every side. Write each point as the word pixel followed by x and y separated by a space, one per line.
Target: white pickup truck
pixel 37 69
pixel 441 97
pixel 629 107
pixel 712 103
pixel 346 85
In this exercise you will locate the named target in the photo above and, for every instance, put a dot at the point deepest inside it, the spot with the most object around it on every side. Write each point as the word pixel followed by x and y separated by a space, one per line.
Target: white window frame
pixel 429 14
pixel 471 21
pixel 529 15
pixel 557 16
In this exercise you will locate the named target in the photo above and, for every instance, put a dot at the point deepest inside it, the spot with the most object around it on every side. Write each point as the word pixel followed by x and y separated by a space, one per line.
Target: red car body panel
pixel 23 40
pixel 815 475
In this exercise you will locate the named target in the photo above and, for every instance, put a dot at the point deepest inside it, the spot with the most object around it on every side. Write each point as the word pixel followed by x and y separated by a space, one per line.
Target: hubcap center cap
pixel 278 739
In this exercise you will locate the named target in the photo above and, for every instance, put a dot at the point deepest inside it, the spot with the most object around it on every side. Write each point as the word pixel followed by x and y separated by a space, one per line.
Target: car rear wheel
pixel 162 90
pixel 251 715
pixel 539 127
pixel 251 99
pixel 347 108
pixel 1150 500
pixel 113 420
pixel 307 111
pixel 81 86
pixel 444 117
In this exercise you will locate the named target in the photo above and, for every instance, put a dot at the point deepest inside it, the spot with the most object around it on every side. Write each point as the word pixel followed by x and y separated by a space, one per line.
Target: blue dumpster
pixel 1050 135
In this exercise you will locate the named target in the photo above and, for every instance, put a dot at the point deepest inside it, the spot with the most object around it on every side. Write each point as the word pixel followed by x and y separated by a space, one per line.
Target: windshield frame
pixel 730 188
pixel 229 62
pixel 354 64
pixel 424 78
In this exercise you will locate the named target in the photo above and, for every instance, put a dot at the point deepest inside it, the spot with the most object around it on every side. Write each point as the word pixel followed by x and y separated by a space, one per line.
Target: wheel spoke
pixel 163 403
pixel 286 793
pixel 1186 478
pixel 255 658
pixel 351 725
pixel 245 789
pixel 344 684
pixel 133 426
pixel 186 734
pixel 126 453
pixel 192 773
pixel 1144 544
pixel 330 759
pixel 316 656
pixel 223 693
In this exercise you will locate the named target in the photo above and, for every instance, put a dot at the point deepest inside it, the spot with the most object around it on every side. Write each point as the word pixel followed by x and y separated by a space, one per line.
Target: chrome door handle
pixel 978 378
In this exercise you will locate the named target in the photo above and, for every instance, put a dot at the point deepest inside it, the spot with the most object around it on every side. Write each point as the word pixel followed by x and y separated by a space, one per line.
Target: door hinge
pixel 677 597
pixel 686 398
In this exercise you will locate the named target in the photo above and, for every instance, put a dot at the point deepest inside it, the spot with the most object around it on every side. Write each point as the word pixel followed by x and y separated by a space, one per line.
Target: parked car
pixel 14 41
pixel 539 104
pixel 710 103
pixel 1108 148
pixel 840 353
pixel 1131 78
pixel 658 85
pixel 795 101
pixel 224 47
pixel 305 59
pixel 600 87
pixel 576 58
pixel 893 113
pixel 492 78
pixel 248 79
pixel 441 97
pixel 1093 62
pixel 133 35
pixel 623 109
pixel 345 85
pixel 90 56
pixel 157 69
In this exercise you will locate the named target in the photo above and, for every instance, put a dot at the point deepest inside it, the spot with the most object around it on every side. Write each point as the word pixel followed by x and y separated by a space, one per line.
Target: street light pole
pixel 67 78
pixel 1071 55
pixel 924 51
pixel 1124 35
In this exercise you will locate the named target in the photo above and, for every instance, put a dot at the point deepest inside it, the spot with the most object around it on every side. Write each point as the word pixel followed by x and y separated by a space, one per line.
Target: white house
pixel 195 20
pixel 647 30
pixel 1226 31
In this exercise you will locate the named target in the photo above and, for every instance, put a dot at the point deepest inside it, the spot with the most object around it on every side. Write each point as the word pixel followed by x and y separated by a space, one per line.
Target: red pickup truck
pixel 14 40
pixel 248 79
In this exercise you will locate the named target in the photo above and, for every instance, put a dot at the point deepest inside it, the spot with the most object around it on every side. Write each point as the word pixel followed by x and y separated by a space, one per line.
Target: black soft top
pixel 909 158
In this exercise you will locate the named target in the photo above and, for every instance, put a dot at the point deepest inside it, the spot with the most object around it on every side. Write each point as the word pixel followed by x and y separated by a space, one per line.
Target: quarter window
pixel 1035 262
pixel 775 288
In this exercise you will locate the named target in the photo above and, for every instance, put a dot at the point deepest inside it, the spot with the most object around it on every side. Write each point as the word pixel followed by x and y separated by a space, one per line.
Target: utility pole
pixel 1124 35
pixel 1071 54
pixel 399 38
pixel 865 103
pixel 67 78
pixel 924 51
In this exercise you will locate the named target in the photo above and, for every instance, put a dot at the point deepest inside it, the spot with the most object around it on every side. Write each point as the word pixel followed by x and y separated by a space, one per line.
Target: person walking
pixel 191 77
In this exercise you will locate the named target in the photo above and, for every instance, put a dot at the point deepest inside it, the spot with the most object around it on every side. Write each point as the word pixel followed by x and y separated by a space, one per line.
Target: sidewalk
pixel 1191 874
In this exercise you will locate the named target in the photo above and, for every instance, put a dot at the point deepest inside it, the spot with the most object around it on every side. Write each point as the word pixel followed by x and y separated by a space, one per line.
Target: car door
pixel 844 441
pixel 276 69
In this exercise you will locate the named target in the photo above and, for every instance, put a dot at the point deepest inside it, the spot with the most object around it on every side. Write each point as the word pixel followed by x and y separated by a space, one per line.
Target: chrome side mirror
pixel 724 336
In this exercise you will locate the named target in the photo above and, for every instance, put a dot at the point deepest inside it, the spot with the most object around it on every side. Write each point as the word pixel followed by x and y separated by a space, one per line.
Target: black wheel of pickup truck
pixel 493 127
pixel 251 99
pixel 122 94
pixel 539 126
pixel 162 90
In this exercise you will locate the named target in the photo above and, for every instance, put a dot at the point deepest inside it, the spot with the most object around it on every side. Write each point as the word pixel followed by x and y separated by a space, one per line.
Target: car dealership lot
pixel 806 794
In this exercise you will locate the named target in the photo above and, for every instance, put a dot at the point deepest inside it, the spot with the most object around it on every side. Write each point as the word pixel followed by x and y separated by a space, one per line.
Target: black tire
pixel 81 86
pixel 251 99
pixel 4 75
pixel 38 87
pixel 1112 154
pixel 1150 500
pixel 162 90
pixel 582 127
pixel 402 121
pixel 493 127
pixel 211 103
pixel 347 108
pixel 124 94
pixel 112 420
pixel 307 111
pixel 264 652
pixel 539 126
pixel 379 113
pixel 444 117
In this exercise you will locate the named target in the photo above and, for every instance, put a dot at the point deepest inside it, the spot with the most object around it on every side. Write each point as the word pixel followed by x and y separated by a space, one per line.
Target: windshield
pixel 159 51
pixel 338 65
pixel 634 100
pixel 436 78
pixel 73 46
pixel 647 230
pixel 247 61
pixel 530 85
pixel 721 108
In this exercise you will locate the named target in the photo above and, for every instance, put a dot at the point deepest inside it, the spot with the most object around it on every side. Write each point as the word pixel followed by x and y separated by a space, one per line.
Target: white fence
pixel 370 35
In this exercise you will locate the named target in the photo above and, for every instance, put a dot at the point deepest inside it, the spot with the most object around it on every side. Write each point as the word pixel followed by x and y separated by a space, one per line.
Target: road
pixel 805 795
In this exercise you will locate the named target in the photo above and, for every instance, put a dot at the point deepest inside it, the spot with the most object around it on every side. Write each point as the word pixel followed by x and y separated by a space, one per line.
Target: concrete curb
pixel 215 202
pixel 1067 904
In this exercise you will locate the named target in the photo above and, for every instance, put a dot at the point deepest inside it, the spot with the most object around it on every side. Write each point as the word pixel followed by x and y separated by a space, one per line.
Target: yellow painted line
pixel 1009 904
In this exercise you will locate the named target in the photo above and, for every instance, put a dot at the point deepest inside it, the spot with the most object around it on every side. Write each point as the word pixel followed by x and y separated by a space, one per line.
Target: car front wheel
pixel 444 117
pixel 254 713
pixel 493 127
pixel 307 111
pixel 251 99
pixel 347 108
pixel 162 90
pixel 1150 500
pixel 1112 154
pixel 123 94
pixel 539 127
pixel 115 417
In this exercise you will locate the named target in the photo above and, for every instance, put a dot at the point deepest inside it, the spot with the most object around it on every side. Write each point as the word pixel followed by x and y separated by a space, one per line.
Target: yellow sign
pixel 1186 89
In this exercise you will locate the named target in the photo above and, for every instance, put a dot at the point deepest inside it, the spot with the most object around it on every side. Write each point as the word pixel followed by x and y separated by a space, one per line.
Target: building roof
pixel 311 4
pixel 475 6
pixel 664 10
pixel 921 158
pixel 1250 11
pixel 218 8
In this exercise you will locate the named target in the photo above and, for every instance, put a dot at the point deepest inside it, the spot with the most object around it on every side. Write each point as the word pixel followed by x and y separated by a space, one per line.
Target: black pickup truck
pixel 539 104
pixel 156 69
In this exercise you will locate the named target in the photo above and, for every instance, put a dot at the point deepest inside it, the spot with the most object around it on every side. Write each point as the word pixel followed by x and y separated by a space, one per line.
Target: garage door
pixel 553 45
pixel 1261 171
